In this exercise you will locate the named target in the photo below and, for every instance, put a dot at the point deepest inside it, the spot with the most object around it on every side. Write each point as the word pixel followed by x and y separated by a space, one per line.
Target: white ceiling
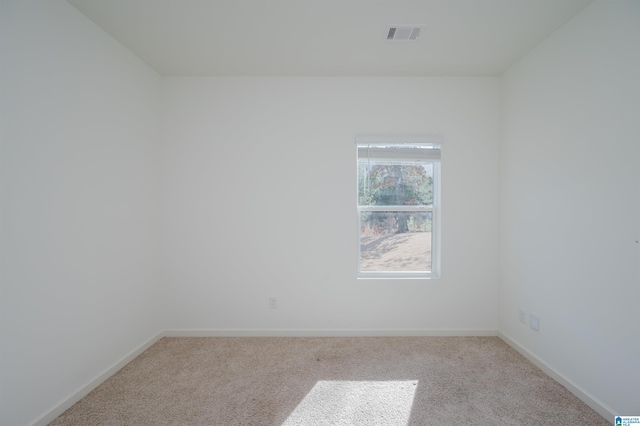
pixel 328 37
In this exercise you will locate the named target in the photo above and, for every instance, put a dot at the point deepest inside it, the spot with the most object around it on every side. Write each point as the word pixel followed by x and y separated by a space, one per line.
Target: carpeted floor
pixel 330 381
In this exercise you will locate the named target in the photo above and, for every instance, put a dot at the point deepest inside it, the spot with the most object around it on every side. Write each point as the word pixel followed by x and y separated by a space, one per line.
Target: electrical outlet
pixel 535 322
pixel 273 303
pixel 523 316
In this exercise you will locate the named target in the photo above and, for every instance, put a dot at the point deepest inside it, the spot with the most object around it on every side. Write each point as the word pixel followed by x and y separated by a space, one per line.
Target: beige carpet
pixel 330 381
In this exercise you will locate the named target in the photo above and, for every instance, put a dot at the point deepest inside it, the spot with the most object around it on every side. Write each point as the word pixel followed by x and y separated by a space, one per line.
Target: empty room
pixel 319 212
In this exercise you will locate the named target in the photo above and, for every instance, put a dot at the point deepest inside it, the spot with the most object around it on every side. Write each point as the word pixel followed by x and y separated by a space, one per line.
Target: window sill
pixel 397 275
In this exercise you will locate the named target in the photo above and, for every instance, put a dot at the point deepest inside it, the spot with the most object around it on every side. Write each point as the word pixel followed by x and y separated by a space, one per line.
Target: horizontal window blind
pixel 413 149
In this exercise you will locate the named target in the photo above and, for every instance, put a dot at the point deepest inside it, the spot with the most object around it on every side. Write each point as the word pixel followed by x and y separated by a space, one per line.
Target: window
pixel 398 207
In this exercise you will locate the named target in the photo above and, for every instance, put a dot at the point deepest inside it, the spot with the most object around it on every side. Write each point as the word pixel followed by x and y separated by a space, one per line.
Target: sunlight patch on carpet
pixel 356 402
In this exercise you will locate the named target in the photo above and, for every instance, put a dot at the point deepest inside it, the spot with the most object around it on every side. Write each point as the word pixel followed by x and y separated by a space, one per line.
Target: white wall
pixel 79 217
pixel 570 205
pixel 260 178
pixel 258 187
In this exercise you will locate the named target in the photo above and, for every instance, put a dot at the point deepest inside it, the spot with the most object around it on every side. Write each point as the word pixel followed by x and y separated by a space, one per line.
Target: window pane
pixel 395 241
pixel 385 183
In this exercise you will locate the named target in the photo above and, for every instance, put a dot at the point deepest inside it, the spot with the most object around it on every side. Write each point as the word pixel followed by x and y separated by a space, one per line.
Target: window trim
pixel 435 210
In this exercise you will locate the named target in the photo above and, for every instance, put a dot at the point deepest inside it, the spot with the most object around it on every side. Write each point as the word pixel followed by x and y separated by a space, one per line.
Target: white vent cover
pixel 403 32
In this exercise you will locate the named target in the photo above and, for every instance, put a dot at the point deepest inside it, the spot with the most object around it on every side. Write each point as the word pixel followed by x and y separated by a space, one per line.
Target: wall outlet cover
pixel 535 322
pixel 523 316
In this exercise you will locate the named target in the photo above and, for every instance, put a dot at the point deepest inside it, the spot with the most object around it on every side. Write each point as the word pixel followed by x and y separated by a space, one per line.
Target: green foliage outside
pixel 389 184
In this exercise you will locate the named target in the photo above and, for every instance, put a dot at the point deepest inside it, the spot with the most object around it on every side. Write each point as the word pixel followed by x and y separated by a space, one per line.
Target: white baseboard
pixel 80 393
pixel 324 333
pixel 580 393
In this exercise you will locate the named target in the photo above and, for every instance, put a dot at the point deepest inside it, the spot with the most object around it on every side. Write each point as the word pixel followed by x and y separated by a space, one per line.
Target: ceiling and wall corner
pixel 329 37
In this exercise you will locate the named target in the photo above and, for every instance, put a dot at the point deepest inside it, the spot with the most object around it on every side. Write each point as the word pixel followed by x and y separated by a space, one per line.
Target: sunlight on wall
pixel 356 402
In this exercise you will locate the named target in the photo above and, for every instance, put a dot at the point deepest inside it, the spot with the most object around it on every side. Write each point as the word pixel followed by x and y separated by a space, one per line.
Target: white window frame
pixel 435 209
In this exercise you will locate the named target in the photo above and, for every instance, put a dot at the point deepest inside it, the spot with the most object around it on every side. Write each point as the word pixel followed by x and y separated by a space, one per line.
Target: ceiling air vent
pixel 403 32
